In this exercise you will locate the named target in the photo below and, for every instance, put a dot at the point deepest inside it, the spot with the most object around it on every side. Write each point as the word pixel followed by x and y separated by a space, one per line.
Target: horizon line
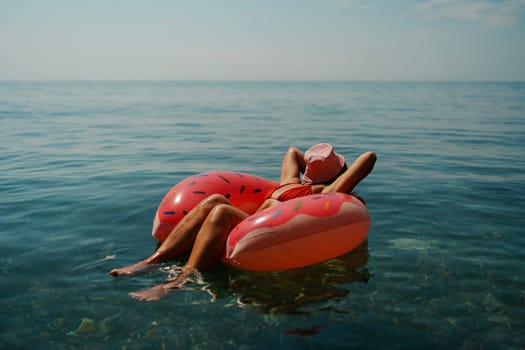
pixel 271 81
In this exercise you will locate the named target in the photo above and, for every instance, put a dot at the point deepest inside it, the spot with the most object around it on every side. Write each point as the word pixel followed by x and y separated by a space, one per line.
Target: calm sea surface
pixel 84 165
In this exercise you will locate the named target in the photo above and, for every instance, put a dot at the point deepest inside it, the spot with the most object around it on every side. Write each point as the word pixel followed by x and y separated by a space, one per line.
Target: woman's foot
pixel 152 294
pixel 158 292
pixel 141 266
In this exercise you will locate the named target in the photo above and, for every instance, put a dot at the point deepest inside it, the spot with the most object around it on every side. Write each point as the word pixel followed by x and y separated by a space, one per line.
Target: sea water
pixel 83 166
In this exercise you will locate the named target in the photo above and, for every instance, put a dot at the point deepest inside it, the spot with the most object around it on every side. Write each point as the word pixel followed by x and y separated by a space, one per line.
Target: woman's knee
pixel 212 201
pixel 226 216
pixel 220 214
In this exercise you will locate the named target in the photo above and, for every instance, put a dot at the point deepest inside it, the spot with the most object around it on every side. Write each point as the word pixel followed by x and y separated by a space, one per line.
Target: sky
pixel 409 40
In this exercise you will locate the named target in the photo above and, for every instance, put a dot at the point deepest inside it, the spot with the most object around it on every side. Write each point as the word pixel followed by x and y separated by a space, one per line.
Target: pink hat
pixel 322 163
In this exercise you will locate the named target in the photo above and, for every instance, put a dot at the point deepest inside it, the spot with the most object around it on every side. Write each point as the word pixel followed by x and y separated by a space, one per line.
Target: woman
pixel 204 230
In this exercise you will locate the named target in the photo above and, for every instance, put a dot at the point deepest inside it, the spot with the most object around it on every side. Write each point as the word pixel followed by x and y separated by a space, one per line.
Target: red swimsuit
pixel 293 192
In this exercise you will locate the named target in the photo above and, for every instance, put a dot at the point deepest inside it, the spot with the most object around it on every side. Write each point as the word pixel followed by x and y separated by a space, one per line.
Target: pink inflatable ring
pixel 295 233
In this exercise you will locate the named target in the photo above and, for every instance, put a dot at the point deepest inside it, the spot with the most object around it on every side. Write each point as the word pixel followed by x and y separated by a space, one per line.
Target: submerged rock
pixel 86 326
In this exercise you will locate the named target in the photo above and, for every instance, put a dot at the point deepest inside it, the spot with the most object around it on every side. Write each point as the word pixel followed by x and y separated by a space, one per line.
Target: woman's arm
pixel 292 166
pixel 359 169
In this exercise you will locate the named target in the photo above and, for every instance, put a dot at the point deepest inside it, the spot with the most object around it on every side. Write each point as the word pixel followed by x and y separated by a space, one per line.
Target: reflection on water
pixel 291 291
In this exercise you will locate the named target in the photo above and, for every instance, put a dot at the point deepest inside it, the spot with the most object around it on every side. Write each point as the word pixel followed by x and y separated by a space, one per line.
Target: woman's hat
pixel 322 163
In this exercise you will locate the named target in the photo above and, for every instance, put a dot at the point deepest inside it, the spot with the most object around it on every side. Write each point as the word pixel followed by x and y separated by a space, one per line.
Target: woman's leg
pixel 211 239
pixel 181 239
pixel 207 249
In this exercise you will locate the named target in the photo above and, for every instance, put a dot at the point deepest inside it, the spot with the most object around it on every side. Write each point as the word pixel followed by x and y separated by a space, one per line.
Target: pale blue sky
pixel 263 39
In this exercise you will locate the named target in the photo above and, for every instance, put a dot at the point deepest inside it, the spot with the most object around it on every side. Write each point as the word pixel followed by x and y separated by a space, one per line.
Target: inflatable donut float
pixel 245 191
pixel 295 233
pixel 298 232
